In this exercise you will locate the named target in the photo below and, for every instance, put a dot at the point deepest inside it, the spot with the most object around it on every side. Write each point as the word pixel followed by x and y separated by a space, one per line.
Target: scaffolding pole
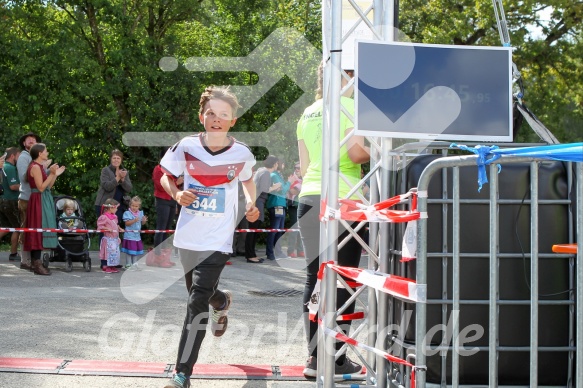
pixel 332 71
pixel 378 311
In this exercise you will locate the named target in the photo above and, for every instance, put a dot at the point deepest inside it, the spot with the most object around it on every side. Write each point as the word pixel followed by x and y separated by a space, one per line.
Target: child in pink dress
pixel 109 252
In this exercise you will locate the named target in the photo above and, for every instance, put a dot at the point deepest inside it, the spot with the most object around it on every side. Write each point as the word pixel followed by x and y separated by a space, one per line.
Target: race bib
pixel 210 201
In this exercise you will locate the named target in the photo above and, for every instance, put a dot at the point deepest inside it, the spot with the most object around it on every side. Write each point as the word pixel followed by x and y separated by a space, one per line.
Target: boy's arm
pixel 251 211
pixel 183 197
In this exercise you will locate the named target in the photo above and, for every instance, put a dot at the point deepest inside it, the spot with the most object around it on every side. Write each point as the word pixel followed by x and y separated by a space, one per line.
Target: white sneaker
pixel 219 319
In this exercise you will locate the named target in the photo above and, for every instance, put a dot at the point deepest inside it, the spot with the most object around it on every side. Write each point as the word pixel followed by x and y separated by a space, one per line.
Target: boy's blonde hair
pixel 219 93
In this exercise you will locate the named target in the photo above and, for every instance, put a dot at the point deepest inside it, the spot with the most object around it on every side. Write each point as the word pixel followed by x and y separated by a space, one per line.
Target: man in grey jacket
pixel 26 142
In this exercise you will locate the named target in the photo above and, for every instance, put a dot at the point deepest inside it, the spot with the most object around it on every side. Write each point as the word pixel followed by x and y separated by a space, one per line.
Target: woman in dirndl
pixel 40 213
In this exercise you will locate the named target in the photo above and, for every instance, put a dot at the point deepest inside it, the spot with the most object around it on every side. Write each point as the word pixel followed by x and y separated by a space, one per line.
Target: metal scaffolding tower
pixel 382 27
pixel 380 16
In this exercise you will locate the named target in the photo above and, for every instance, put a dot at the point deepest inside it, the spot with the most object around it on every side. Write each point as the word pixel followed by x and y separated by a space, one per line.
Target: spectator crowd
pixel 30 174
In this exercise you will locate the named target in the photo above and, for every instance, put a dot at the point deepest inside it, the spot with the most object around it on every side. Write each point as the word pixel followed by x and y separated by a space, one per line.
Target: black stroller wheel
pixel 46 260
pixel 87 264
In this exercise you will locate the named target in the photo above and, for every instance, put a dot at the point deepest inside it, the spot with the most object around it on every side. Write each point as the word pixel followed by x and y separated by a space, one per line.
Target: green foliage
pixel 548 48
pixel 82 74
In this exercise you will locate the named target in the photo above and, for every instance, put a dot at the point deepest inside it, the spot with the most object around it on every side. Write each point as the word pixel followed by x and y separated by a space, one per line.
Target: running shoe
pixel 179 380
pixel 346 371
pixel 311 369
pixel 219 319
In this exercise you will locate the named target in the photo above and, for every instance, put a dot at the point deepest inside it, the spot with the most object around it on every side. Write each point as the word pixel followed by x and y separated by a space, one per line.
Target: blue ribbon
pixel 572 152
pixel 485 157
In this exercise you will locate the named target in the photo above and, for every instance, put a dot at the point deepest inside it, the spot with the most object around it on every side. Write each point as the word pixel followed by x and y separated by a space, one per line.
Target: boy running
pixel 212 163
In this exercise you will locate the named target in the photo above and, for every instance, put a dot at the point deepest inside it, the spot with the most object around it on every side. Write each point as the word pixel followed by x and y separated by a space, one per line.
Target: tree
pixel 83 73
pixel 547 52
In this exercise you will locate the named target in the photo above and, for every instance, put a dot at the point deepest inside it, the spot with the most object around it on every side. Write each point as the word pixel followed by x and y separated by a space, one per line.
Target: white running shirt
pixel 209 222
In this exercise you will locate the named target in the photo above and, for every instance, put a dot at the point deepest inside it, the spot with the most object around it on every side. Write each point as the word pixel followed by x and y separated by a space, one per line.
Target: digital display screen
pixel 433 92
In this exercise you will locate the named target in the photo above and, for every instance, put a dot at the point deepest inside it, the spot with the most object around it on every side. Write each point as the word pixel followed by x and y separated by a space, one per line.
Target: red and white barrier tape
pixel 399 287
pixel 344 338
pixel 34 230
pixel 351 210
pixel 351 317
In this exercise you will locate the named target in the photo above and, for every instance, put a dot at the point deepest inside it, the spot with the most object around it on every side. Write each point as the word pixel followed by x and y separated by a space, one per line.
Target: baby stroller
pixel 71 247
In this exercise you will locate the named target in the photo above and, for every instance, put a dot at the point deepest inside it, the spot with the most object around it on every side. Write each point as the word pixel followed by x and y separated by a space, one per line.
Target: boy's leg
pixel 206 270
pixel 188 280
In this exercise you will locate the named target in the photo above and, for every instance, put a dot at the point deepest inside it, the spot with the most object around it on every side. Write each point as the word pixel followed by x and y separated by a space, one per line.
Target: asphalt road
pixel 138 315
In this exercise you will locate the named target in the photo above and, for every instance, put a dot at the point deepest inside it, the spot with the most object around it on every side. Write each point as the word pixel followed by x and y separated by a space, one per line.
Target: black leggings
pixel 349 255
pixel 204 270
